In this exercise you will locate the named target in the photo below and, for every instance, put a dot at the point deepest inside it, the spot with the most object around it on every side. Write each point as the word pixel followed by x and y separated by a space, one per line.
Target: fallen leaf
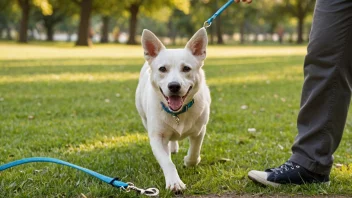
pixel 223 160
pixel 244 107
pixel 339 165
pixel 281 147
pixel 83 195
pixel 251 130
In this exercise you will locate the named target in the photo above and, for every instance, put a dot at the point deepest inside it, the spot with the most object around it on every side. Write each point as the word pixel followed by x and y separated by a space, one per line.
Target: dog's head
pixel 176 73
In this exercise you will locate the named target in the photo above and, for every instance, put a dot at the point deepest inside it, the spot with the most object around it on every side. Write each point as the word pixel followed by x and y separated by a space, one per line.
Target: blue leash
pixel 112 181
pixel 208 22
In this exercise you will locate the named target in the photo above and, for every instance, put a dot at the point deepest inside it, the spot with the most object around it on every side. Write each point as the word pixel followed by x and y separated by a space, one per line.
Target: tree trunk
pixel 31 36
pixel 172 32
pixel 218 27
pixel 133 24
pixel 290 40
pixel 83 30
pixel 211 35
pixel 8 33
pixel 300 27
pixel 25 8
pixel 69 34
pixel 49 32
pixel 256 37
pixel 105 30
pixel 219 30
pixel 242 32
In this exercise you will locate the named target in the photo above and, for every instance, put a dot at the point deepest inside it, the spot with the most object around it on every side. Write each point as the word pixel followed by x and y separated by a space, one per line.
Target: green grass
pixel 81 109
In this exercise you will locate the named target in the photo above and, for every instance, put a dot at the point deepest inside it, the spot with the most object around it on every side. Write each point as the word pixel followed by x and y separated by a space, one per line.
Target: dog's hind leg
pixel 195 144
pixel 173 146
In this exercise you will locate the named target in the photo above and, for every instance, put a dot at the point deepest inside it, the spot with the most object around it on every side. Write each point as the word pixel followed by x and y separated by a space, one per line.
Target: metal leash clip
pixel 206 24
pixel 150 192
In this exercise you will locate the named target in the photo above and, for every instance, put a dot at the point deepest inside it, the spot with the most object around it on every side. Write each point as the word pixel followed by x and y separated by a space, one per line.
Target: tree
pixel 201 11
pixel 9 13
pixel 105 29
pixel 300 9
pixel 84 22
pixel 61 9
pixel 179 25
pixel 69 25
pixel 148 7
pixel 218 26
pixel 133 9
pixel 25 6
pixel 108 10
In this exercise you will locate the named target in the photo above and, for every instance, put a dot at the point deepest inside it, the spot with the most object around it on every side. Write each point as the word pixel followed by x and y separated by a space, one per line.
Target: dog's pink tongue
pixel 175 102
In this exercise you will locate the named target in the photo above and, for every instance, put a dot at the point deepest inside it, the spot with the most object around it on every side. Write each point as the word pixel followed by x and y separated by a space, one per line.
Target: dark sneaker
pixel 288 173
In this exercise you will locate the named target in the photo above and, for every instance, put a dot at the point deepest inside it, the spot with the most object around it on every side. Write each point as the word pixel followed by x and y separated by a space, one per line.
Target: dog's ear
pixel 198 44
pixel 151 45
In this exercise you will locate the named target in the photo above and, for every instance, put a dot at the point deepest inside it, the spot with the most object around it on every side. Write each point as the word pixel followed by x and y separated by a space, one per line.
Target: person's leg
pixel 326 91
pixel 325 96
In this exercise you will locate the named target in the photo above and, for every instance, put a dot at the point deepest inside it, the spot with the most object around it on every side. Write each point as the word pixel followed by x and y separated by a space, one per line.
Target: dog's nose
pixel 174 87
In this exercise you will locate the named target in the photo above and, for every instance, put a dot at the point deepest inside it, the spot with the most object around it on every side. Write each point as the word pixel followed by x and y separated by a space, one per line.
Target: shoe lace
pixel 285 167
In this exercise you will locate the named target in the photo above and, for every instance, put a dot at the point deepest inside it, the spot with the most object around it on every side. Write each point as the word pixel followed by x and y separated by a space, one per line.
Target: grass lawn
pixel 77 105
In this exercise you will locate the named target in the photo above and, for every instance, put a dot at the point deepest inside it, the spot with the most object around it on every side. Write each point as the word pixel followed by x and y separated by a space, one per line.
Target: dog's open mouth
pixel 175 102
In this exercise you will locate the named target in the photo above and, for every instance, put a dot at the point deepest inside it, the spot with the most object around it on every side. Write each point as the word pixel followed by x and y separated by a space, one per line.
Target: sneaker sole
pixel 257 178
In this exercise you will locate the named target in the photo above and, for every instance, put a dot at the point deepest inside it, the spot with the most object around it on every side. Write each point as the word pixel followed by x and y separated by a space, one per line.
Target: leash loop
pixel 208 22
pixel 150 192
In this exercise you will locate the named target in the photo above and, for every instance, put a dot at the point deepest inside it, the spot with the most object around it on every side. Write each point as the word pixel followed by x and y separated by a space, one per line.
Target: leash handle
pixel 208 22
pixel 113 181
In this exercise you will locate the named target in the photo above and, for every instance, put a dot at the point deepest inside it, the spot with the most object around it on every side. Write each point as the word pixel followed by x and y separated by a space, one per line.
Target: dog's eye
pixel 186 69
pixel 162 69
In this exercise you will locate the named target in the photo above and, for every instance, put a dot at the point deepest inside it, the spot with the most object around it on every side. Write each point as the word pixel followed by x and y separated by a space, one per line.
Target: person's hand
pixel 245 1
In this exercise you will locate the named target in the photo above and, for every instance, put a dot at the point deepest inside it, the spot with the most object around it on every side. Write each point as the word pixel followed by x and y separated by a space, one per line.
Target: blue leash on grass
pixel 112 181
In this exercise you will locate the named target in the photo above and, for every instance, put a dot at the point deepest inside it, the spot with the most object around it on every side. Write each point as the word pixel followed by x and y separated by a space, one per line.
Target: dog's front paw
pixel 175 185
pixel 191 162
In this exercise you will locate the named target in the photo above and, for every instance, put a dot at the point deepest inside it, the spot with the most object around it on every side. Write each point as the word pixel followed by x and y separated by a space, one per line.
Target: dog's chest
pixel 183 128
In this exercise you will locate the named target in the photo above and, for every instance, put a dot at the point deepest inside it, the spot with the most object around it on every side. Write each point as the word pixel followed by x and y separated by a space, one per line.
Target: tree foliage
pixel 148 7
pixel 171 18
pixel 300 9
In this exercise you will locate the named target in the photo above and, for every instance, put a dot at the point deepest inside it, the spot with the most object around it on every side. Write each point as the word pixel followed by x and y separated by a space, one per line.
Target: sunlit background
pixel 121 21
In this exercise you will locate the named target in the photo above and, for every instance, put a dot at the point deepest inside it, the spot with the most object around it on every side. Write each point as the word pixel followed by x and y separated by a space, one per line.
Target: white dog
pixel 173 100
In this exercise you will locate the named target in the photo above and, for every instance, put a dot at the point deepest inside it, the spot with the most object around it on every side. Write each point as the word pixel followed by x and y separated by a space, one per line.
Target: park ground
pixel 77 104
